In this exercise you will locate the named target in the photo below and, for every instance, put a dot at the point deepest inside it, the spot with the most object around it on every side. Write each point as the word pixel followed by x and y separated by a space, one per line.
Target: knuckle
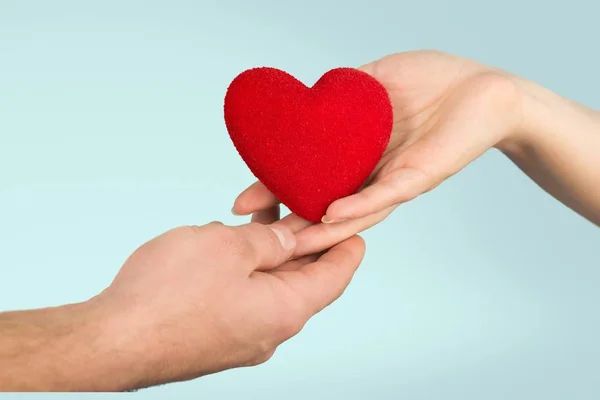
pixel 187 237
pixel 196 230
pixel 407 186
pixel 260 231
pixel 253 226
pixel 215 224
pixel 263 354
pixel 291 327
pixel 291 322
pixel 234 242
pixel 398 189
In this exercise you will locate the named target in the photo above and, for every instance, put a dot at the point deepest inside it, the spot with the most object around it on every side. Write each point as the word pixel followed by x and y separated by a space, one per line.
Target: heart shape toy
pixel 309 145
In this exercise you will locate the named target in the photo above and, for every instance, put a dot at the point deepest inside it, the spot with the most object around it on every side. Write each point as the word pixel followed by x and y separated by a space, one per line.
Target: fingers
pixel 322 282
pixel 255 198
pixel 395 188
pixel 293 223
pixel 320 237
pixel 267 216
pixel 261 247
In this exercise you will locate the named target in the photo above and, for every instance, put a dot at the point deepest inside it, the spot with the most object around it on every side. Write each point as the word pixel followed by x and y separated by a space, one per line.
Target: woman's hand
pixel 447 112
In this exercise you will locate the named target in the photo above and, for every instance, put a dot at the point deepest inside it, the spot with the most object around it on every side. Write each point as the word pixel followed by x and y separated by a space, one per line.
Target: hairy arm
pixel 559 148
pixel 62 349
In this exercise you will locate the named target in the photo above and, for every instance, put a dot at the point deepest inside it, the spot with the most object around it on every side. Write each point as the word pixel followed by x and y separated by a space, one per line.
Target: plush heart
pixel 309 145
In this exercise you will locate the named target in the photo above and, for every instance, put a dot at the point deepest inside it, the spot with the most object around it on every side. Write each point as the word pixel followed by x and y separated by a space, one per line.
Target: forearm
pixel 558 146
pixel 61 349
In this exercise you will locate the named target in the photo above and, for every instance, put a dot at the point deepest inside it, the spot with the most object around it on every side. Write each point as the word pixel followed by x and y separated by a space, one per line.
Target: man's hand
pixel 193 301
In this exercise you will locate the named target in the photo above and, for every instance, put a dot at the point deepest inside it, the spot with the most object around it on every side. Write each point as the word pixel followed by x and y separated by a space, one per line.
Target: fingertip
pixel 254 198
pixel 268 246
pixel 234 211
pixel 246 203
pixel 362 245
pixel 361 241
pixel 286 237
pixel 239 205
pixel 332 213
pixel 341 210
pixel 327 219
pixel 356 245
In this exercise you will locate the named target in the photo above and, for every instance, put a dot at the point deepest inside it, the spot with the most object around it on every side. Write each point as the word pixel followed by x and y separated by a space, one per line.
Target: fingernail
pixel 288 241
pixel 328 220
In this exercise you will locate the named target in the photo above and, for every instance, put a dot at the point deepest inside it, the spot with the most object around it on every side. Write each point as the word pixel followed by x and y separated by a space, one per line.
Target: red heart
pixel 309 145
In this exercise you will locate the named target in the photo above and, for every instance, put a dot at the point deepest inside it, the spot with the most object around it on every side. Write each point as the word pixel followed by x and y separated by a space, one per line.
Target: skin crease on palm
pixel 447 112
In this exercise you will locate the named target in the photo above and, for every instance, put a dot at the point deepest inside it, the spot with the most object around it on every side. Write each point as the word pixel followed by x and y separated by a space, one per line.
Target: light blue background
pixel 111 132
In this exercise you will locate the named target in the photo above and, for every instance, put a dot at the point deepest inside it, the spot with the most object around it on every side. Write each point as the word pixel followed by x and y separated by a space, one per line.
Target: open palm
pixel 447 112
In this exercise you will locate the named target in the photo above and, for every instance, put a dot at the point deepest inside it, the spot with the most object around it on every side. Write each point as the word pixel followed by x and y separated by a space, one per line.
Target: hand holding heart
pixel 447 111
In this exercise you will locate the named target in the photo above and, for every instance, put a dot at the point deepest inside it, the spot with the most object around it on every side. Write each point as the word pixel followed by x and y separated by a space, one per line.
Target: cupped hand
pixel 447 112
pixel 198 300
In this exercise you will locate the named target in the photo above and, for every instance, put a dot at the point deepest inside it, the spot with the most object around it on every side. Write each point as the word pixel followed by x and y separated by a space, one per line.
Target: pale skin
pixel 198 300
pixel 447 112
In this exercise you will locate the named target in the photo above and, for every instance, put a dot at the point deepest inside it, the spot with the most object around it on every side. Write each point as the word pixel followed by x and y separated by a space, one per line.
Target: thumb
pixel 265 247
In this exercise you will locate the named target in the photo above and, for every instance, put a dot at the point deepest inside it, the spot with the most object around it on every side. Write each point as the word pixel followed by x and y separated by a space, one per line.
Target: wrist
pixel 543 114
pixel 118 354
pixel 114 363
pixel 521 135
pixel 138 348
pixel 68 348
